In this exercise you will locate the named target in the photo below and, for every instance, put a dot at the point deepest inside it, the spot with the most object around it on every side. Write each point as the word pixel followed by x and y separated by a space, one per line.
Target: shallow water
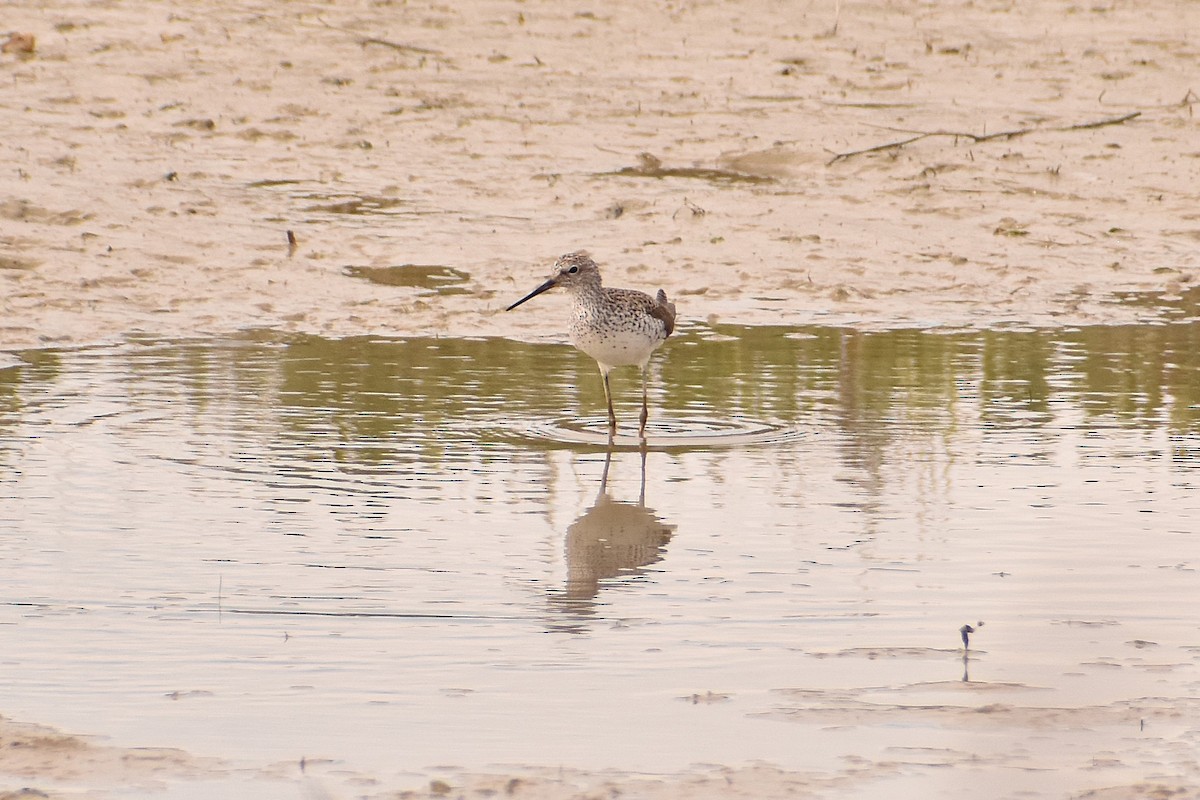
pixel 396 554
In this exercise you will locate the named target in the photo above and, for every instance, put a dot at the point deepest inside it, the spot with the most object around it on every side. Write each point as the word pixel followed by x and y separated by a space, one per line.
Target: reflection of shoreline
pixel 611 539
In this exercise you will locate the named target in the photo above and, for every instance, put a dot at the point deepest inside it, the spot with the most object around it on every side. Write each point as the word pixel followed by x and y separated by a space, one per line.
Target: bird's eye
pixel 573 270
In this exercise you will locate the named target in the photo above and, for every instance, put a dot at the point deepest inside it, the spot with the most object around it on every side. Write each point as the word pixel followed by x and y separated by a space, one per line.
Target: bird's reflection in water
pixel 612 539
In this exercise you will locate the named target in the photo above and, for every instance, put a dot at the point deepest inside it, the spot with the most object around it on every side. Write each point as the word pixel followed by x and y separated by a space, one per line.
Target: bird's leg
pixel 645 407
pixel 612 415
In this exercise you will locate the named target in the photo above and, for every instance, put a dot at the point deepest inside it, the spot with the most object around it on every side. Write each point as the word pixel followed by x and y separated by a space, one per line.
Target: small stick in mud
pixel 403 48
pixel 291 237
pixel 367 40
pixel 981 137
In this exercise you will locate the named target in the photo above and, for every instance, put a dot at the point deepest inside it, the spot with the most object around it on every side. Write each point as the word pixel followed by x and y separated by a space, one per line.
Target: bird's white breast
pixel 617 346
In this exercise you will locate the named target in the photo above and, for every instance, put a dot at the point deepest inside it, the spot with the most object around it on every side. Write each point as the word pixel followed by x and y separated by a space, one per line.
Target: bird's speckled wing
pixel 640 303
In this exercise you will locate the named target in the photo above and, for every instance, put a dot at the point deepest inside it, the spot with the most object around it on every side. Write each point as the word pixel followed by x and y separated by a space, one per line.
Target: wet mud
pixel 965 164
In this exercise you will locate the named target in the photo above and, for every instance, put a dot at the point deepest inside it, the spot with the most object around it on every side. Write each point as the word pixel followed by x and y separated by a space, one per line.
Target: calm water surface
pixel 398 554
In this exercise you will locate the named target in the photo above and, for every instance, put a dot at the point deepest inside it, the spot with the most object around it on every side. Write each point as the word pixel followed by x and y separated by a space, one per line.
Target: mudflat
pixel 873 164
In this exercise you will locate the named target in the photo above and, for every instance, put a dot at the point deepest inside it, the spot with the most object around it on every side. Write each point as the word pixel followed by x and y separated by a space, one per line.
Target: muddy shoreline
pixel 156 160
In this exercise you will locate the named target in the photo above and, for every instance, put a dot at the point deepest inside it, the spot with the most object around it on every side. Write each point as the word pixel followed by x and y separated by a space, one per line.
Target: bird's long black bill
pixel 547 285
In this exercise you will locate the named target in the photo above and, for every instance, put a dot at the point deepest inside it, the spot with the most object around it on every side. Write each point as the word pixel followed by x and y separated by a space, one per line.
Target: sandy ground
pixel 155 155
pixel 432 159
pixel 35 755
pixel 39 762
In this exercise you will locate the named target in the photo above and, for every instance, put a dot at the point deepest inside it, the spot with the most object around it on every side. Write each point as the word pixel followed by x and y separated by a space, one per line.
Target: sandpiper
pixel 617 327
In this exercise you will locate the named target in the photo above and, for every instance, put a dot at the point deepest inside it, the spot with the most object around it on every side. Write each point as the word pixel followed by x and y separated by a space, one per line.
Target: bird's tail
pixel 664 309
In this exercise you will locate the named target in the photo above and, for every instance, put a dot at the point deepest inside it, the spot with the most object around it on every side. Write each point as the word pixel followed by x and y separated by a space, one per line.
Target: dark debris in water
pixel 270 183
pixel 650 166
pixel 358 206
pixel 437 278
pixel 16 262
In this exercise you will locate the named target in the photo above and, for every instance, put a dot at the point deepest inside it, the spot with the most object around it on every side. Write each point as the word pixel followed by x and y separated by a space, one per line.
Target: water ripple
pixel 687 433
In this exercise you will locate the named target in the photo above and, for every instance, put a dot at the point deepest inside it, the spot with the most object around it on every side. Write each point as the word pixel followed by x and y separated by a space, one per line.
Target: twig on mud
pixel 363 41
pixel 1098 123
pixel 981 137
pixel 886 146
pixel 1188 99
pixel 404 48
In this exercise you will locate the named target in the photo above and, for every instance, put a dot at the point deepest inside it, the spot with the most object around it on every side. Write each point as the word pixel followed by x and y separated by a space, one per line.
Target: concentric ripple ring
pixel 688 433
